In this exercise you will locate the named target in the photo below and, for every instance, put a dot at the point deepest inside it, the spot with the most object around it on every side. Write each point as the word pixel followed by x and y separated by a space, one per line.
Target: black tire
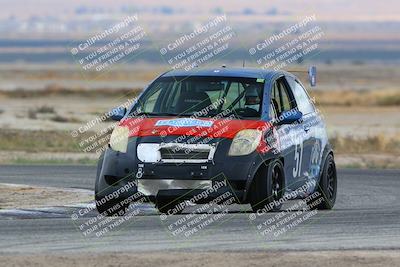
pixel 267 186
pixel 99 165
pixel 327 187
pixel 105 207
pixel 169 206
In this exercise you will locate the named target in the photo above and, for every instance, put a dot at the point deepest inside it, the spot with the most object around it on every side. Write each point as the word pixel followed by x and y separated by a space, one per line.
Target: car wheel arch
pixel 262 165
pixel 327 151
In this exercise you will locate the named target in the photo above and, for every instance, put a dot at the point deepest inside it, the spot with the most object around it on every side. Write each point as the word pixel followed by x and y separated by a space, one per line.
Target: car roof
pixel 227 72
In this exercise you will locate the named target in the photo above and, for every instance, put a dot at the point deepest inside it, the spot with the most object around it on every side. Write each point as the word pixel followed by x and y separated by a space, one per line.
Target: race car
pixel 196 135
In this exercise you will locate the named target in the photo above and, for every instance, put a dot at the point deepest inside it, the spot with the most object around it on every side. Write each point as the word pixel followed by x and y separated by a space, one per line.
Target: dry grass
pixel 59 118
pixel 117 74
pixel 49 113
pixel 61 91
pixel 37 141
pixel 45 109
pixel 357 98
pixel 32 113
pixel 372 144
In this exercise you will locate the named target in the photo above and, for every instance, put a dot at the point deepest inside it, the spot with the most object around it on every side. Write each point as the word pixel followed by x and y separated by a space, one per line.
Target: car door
pixel 310 123
pixel 291 145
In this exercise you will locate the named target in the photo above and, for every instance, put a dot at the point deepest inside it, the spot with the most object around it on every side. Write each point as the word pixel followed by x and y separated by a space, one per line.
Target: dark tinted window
pixel 280 98
pixel 191 95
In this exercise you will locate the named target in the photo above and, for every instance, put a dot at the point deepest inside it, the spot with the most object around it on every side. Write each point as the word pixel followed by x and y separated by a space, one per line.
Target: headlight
pixel 245 142
pixel 119 139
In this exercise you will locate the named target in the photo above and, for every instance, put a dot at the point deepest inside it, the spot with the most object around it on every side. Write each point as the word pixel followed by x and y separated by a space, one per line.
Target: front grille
pixel 179 153
pixel 175 152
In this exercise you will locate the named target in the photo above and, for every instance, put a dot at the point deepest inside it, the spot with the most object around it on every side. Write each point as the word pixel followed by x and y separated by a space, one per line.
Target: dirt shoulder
pixel 25 196
pixel 281 259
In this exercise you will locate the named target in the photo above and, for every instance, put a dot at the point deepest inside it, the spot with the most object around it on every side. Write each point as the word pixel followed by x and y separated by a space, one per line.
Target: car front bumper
pixel 177 180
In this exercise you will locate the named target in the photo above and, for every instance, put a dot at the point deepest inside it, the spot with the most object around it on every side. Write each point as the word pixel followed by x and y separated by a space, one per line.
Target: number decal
pixel 315 160
pixel 139 173
pixel 298 158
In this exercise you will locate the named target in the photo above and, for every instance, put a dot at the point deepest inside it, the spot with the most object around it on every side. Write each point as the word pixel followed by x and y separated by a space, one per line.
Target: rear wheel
pixel 327 186
pixel 267 187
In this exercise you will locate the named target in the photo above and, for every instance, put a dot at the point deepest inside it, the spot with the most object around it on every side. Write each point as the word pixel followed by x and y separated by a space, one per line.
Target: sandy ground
pixel 281 259
pixel 15 113
pixel 25 196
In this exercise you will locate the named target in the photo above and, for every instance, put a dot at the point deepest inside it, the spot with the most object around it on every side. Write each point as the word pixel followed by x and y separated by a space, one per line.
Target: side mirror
pixel 312 75
pixel 290 116
pixel 118 113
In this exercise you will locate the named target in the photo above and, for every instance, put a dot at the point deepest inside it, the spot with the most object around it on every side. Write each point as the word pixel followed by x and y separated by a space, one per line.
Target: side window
pixel 173 97
pixel 285 99
pixel 272 111
pixel 303 100
pixel 280 98
pixel 148 105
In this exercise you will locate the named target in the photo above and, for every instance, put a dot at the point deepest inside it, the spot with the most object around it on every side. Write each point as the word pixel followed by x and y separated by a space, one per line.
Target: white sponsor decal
pixel 184 122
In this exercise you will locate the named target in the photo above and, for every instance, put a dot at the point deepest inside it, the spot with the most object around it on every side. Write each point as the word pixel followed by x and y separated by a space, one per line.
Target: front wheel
pixel 268 188
pixel 327 186
pixel 109 207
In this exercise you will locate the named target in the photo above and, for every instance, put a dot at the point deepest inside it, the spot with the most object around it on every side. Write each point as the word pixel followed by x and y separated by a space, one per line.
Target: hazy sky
pixel 368 10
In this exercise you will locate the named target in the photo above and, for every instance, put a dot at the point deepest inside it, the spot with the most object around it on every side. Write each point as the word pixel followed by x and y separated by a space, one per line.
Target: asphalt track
pixel 366 216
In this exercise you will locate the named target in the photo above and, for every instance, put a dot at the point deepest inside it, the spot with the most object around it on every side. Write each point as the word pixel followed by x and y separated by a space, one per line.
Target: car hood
pixel 205 127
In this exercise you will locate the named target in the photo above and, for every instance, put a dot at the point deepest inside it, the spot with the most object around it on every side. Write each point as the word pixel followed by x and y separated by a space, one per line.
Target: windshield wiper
pixel 153 114
pixel 214 114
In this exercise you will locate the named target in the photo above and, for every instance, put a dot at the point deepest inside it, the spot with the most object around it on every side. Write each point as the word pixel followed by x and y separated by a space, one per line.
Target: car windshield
pixel 202 96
